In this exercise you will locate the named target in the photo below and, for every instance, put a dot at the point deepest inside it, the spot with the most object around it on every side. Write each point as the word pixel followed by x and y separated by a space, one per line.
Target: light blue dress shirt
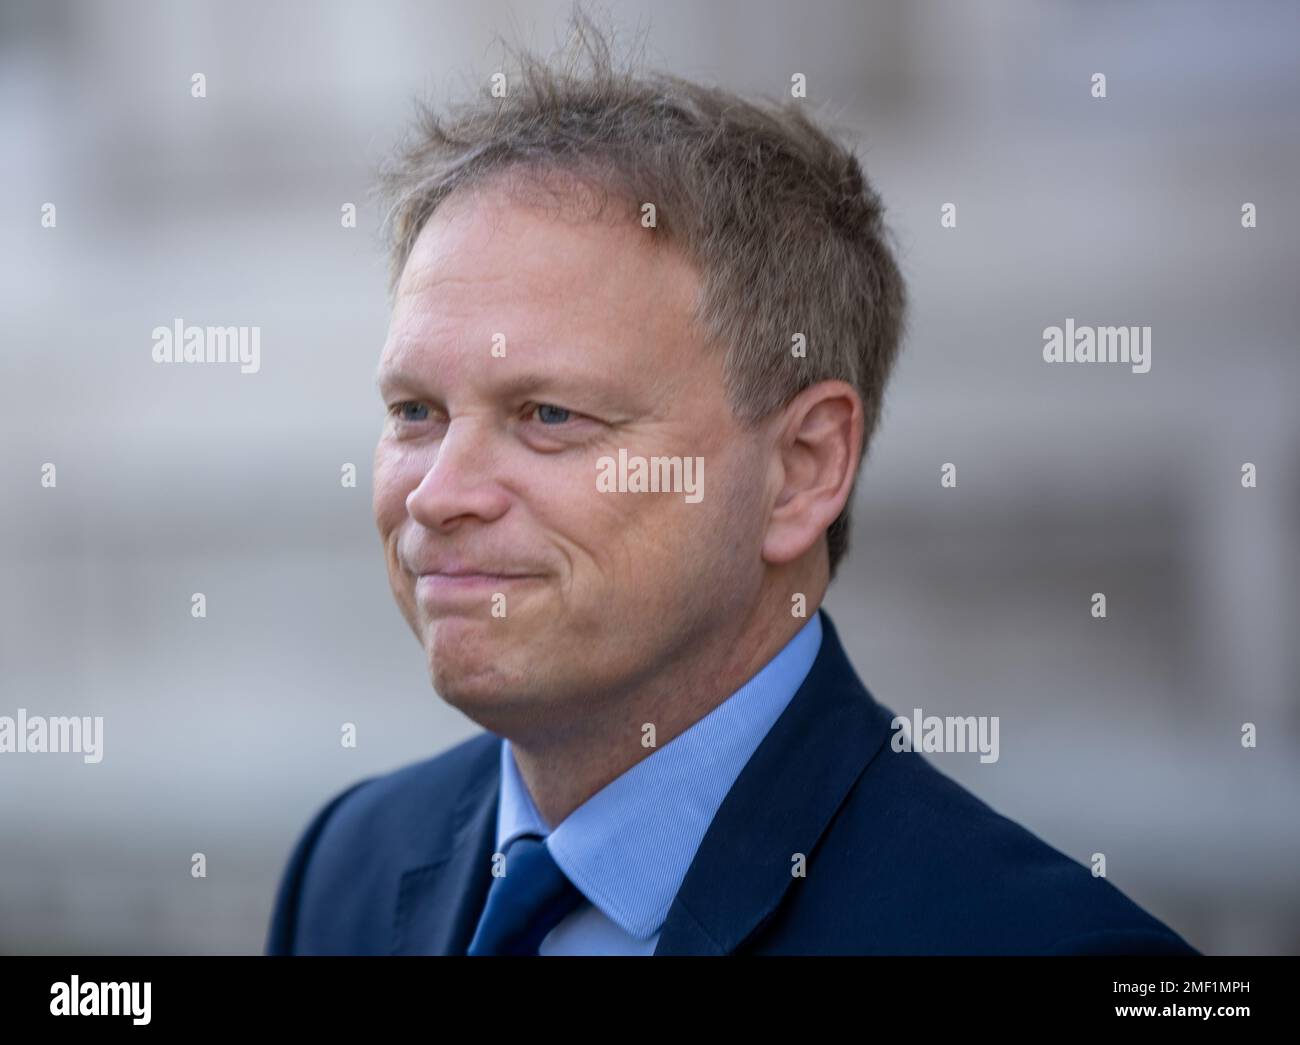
pixel 629 846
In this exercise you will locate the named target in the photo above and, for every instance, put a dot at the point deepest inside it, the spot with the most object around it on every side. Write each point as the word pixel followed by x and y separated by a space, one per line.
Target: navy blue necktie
pixel 526 902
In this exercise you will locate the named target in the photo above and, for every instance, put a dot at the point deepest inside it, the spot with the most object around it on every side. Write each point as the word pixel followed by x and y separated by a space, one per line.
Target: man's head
pixel 597 269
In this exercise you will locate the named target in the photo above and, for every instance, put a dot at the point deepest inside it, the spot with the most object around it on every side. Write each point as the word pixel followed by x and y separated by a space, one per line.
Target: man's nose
pixel 462 482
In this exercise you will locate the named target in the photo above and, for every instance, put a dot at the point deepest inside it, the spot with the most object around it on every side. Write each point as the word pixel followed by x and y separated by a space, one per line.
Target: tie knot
pixel 525 902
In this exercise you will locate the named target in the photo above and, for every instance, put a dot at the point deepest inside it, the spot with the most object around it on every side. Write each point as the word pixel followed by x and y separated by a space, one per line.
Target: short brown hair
pixel 777 216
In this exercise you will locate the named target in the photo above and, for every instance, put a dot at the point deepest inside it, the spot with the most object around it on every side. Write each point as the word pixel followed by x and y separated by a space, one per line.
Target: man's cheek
pixel 390 492
pixel 381 495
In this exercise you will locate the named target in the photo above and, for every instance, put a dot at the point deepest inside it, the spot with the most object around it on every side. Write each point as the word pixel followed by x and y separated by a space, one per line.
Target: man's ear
pixel 819 445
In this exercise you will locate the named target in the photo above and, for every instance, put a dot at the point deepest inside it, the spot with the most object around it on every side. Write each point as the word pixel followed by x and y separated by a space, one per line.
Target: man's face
pixel 523 348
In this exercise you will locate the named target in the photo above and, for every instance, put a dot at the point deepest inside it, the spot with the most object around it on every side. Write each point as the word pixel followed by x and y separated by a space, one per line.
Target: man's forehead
pixel 492 237
pixel 571 292
pixel 528 359
pixel 484 228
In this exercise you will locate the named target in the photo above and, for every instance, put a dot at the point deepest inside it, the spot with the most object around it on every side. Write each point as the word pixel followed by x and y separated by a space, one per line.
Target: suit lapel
pixel 780 805
pixel 439 903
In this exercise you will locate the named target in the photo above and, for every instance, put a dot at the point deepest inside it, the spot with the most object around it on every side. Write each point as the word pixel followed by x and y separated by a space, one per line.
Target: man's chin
pixel 473 661
pixel 479 629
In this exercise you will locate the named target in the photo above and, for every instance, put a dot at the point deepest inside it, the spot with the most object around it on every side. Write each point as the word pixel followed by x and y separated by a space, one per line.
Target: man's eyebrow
pixel 386 376
pixel 534 381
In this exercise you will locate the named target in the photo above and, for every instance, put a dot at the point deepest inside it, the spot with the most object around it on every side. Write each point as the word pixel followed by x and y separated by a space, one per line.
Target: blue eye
pixel 400 409
pixel 554 410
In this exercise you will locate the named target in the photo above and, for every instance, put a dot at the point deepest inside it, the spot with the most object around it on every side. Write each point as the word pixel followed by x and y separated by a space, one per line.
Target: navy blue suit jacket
pixel 900 858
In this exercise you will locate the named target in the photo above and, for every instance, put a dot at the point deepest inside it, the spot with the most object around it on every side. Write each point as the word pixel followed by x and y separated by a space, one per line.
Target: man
pixel 640 337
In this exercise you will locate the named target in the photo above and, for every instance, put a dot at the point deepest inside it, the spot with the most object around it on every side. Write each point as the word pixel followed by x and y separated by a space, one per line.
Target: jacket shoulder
pixel 931 868
pixel 339 886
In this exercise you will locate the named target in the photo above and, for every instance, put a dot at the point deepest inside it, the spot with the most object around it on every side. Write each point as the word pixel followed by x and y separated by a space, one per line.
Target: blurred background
pixel 1119 736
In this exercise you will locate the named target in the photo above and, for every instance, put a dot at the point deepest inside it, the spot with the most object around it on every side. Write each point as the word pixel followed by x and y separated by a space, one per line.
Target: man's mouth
pixel 447 586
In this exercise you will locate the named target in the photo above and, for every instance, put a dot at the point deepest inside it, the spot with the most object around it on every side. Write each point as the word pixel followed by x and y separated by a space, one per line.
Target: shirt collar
pixel 629 846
